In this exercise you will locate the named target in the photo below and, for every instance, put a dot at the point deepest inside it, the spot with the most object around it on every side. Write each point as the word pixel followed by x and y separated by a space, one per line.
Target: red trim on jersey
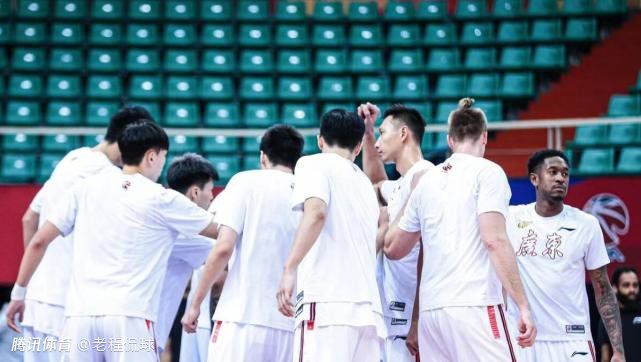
pixel 491 314
pixel 592 351
pixel 214 336
pixel 507 334
pixel 302 342
pixel 148 323
pixel 312 316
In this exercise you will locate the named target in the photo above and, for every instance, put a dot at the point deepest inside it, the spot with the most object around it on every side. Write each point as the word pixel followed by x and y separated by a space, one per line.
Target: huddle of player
pixel 362 268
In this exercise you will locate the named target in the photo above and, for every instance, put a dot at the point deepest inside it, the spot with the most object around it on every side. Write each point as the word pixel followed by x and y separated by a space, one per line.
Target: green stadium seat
pixel 256 35
pixel 637 87
pixel 480 59
pixel 331 61
pixel 181 87
pixel 220 144
pixel 515 58
pixel 451 86
pixel 260 115
pixel 471 9
pixel 333 105
pixel 610 7
pixel 580 29
pixel 292 35
pixel 104 86
pixel 406 61
pixel 20 142
pixel 411 87
pixel 444 60
pixel 25 86
pixel 483 85
pixel 293 61
pixel 5 8
pixel 107 9
pixel 431 10
pixel 218 61
pixel 630 160
pixel 251 162
pixel 179 34
pixel 624 106
pixel 63 114
pixel 5 33
pixel 216 10
pixel 251 144
pixel 424 108
pixel 512 32
pixel 152 107
pixel 403 35
pixel 477 33
pixel 70 9
pixel 256 61
pixel 366 61
pixel 299 114
pixel 365 36
pixel 67 34
pixel 66 59
pixel 290 11
pixel 310 146
pixel 48 162
pixel 372 88
pixel 596 161
pixel 217 88
pixel 18 168
pixel 104 60
pixel 577 7
pixel 98 114
pixel 252 10
pixel 328 35
pixel 30 33
pixel 143 60
pixel 426 143
pixel 443 110
pixel 182 114
pixel 92 139
pixel 142 34
pixel 335 88
pixel 60 143
pixel 396 10
pixel 180 10
pixel 549 57
pixel 440 141
pixel 290 88
pixel 590 135
pixel 183 60
pixel 64 86
pixel 493 109
pixel 546 30
pixel 363 11
pixel 227 166
pixel 517 85
pixel 257 88
pixel 33 9
pixel 331 11
pixel 144 9
pixel 542 8
pixel 217 35
pixel 180 144
pixel 105 34
pixel 222 115
pixel 439 34
pixel 508 8
pixel 28 59
pixel 624 133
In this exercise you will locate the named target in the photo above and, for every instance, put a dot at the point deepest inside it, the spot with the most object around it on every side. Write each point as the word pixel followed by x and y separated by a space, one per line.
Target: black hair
pixel 410 117
pixel 122 118
pixel 466 122
pixel 283 145
pixel 616 275
pixel 537 159
pixel 342 128
pixel 188 170
pixel 138 138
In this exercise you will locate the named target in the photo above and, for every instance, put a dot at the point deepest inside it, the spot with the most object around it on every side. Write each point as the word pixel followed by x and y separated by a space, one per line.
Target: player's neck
pixel 280 168
pixel 545 208
pixel 132 170
pixel 469 148
pixel 345 153
pixel 409 156
pixel 109 149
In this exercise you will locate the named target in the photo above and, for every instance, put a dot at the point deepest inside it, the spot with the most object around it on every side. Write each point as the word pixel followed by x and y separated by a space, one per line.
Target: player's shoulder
pixel 519 210
pixel 579 216
pixel 244 176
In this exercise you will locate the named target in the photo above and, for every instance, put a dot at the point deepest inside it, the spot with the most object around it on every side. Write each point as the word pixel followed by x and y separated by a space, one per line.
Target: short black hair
pixel 188 170
pixel 138 138
pixel 283 145
pixel 616 275
pixel 410 117
pixel 124 117
pixel 342 128
pixel 537 159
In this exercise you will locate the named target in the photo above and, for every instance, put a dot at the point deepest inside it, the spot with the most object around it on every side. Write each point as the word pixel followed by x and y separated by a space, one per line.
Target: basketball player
pixel 399 143
pixel 555 244
pixel 332 263
pixel 45 299
pixel 459 209
pixel 256 231
pixel 124 228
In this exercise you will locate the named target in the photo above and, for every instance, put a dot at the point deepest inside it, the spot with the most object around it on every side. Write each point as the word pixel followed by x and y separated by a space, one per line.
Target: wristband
pixel 18 292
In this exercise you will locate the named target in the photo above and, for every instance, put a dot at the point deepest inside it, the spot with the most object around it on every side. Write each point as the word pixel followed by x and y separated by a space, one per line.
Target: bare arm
pixel 211 231
pixel 383 225
pixel 311 224
pixel 372 164
pixel 30 221
pixel 608 307
pixel 606 352
pixel 412 337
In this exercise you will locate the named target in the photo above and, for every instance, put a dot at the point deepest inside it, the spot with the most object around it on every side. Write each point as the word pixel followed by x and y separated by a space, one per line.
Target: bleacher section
pixel 241 64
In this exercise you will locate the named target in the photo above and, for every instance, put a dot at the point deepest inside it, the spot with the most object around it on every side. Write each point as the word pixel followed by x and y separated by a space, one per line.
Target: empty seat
pixel 64 86
pixel 624 133
pixel 179 144
pixel 439 34
pixel 471 9
pixel 220 144
pixel 517 85
pixel 143 60
pixel 251 162
pixel 5 33
pixel 630 160
pixel 257 35
pixel 215 10
pixel 107 9
pixel 66 59
pixel 252 10
pixel 512 32
pixel 451 86
pixel 28 59
pixel 48 163
pixel 406 61
pixel 217 88
pixel 142 34
pixel 105 34
pixel 515 57
pixel 549 57
pixel 542 8
pixel 217 35
pixel 443 110
pixel 91 140
pixel 227 166
pixel 290 11
pixel 292 35
pixel 411 88
pixel 21 113
pixel 624 106
pixel 366 61
pixel 299 115
pixel 180 10
pixel 493 109
pixel 328 11
pixel 477 33
pixel 218 61
pixel 590 135
pixel 579 29
pixel 20 142
pixel 98 114
pixel 183 61
pixel 403 35
pixel 25 86
pixel 331 61
pixel 29 33
pixel 508 8
pixel 610 7
pixel 396 10
pixel 256 61
pixel 577 7
pixel 596 161
pixel 293 61
pixel 363 11
pixel 104 60
pixel 444 60
pixel 430 10
pixel 34 9
pixel 181 87
pixel 144 9
pixel 483 85
pixel 152 107
pixel 67 34
pixel 60 143
pixel 260 115
pixel 546 30
pixel 104 86
pixel 480 59
pixel 179 34
pixel 257 88
pixel 294 88
pixel 328 35
pixel 337 105
pixel 251 145
pixel 222 115
pixel 335 88
pixel 424 108
pixel 182 114
pixel 372 88
pixel 63 114
pixel 365 36
pixel 17 167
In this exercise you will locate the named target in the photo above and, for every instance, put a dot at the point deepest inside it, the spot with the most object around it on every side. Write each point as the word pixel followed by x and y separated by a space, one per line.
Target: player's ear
pixel 534 179
pixel 263 160
pixel 450 142
pixel 320 141
pixel 358 148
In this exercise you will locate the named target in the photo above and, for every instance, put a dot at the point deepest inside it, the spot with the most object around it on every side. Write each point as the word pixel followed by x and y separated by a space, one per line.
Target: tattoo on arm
pixel 608 307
